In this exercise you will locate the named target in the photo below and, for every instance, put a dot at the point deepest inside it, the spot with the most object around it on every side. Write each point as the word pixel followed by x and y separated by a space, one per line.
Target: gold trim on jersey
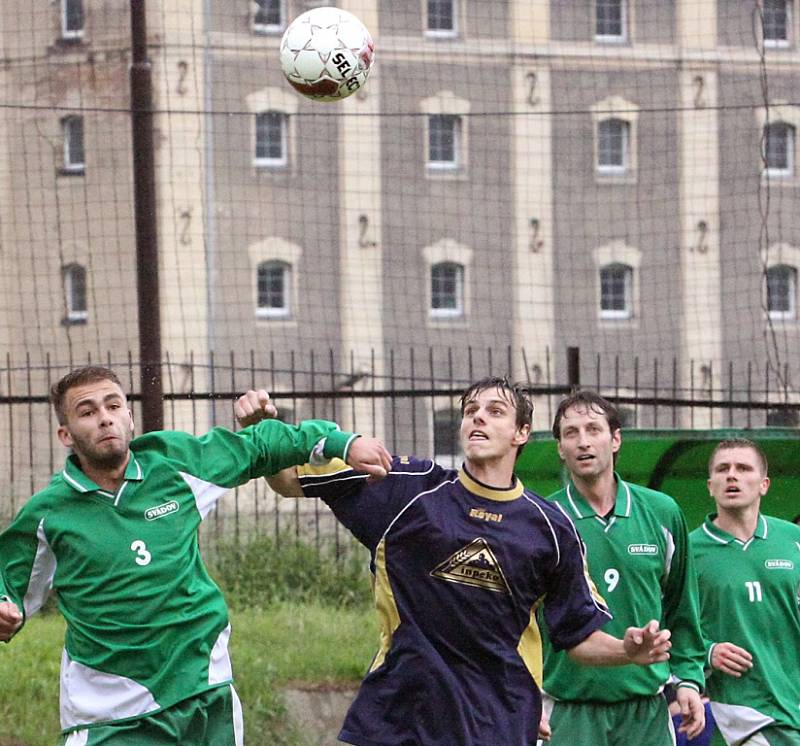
pixel 530 647
pixel 388 615
pixel 475 565
pixel 490 493
pixel 334 466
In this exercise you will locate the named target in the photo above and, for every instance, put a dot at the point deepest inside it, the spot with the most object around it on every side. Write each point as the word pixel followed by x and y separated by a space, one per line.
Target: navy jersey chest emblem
pixel 474 565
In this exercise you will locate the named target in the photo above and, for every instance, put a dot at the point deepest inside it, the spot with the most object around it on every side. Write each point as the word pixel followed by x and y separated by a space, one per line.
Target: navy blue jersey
pixel 460 569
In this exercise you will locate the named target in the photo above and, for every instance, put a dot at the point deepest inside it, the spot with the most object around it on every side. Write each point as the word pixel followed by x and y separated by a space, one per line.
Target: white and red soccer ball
pixel 326 54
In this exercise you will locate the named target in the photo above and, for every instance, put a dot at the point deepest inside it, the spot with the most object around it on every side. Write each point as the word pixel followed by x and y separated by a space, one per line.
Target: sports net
pixel 514 179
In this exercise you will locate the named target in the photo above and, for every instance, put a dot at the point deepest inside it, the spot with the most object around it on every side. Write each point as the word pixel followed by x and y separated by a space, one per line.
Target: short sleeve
pixel 573 608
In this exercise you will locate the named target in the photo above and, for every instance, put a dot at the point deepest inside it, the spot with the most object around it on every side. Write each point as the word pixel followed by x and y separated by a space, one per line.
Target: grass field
pixel 282 645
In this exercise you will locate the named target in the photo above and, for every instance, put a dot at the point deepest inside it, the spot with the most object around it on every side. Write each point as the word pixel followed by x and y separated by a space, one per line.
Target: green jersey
pixel 638 558
pixel 750 596
pixel 146 625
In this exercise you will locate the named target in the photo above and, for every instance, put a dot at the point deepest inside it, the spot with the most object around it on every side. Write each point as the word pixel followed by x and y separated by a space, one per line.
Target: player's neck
pixel 600 491
pixel 492 472
pixel 107 478
pixel 739 523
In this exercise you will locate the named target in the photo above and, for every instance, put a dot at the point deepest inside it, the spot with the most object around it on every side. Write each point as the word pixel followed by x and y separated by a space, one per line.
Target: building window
pixel 609 20
pixel 74 156
pixel 782 292
pixel 75 292
pixel 444 141
pixel 779 149
pixel 613 144
pixel 72 19
pixel 616 291
pixel 446 445
pixel 777 22
pixel 268 17
pixel 272 289
pixel 441 20
pixel 447 289
pixel 783 418
pixel 271 139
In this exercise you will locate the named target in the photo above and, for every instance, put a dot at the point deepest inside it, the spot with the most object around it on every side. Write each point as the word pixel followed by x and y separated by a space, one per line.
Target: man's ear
pixel 64 436
pixel 616 440
pixel 130 416
pixel 522 435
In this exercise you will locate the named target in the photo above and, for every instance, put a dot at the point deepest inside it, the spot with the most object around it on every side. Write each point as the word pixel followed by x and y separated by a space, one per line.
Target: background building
pixel 516 178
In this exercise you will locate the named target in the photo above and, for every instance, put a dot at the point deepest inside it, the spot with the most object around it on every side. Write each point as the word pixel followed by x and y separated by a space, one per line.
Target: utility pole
pixel 144 189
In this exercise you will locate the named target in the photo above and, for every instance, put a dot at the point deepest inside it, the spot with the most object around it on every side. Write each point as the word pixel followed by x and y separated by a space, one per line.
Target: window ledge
pixel 441 34
pixel 72 171
pixel 780 178
pixel 260 30
pixel 614 177
pixel 621 323
pixel 75 320
pixel 613 40
pixel 445 173
pixel 782 317
pixel 264 319
pixel 75 39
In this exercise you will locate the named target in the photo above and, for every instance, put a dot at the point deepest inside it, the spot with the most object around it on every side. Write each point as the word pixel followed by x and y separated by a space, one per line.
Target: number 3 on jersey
pixel 143 557
pixel 612 578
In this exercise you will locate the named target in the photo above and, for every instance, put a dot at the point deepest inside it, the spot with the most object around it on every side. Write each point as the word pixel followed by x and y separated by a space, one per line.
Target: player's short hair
pixel 726 445
pixel 516 393
pixel 588 399
pixel 78 377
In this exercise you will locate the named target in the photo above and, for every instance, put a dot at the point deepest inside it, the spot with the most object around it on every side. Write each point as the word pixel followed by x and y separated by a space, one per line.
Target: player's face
pixel 587 445
pixel 489 427
pixel 99 425
pixel 736 479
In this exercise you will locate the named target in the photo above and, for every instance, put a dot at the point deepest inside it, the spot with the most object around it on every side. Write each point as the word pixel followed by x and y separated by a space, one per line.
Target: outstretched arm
pixel 254 406
pixel 641 645
pixel 367 455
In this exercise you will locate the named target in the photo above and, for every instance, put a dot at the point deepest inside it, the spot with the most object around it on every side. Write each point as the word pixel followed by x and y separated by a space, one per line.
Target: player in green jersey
pixel 748 570
pixel 637 551
pixel 145 656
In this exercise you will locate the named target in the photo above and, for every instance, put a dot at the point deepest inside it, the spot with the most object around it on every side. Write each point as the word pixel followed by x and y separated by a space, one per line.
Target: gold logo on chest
pixel 474 565
pixel 485 515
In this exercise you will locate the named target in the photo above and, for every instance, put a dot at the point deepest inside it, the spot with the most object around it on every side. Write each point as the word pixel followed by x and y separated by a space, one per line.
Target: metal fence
pixel 413 406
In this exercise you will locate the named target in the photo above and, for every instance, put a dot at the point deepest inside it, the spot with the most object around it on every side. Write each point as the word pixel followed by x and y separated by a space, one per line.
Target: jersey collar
pixel 75 478
pixel 490 493
pixel 723 537
pixel 582 509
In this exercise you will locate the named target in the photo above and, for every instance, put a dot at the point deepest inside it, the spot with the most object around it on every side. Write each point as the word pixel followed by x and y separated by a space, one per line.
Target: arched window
pixel 72 19
pixel 74 154
pixel 444 140
pixel 447 289
pixel 779 149
pixel 777 22
pixel 273 283
pixel 613 146
pixel 75 293
pixel 268 17
pixel 782 292
pixel 616 291
pixel 441 18
pixel 609 20
pixel 271 149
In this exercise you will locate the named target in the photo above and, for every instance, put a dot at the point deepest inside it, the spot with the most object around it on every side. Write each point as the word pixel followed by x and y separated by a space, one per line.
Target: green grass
pixel 285 644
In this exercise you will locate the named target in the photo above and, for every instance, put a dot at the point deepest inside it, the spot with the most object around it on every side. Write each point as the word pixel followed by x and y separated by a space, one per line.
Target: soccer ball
pixel 326 54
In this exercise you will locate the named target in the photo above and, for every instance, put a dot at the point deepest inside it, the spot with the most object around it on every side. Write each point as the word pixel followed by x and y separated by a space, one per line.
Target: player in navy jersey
pixel 461 561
